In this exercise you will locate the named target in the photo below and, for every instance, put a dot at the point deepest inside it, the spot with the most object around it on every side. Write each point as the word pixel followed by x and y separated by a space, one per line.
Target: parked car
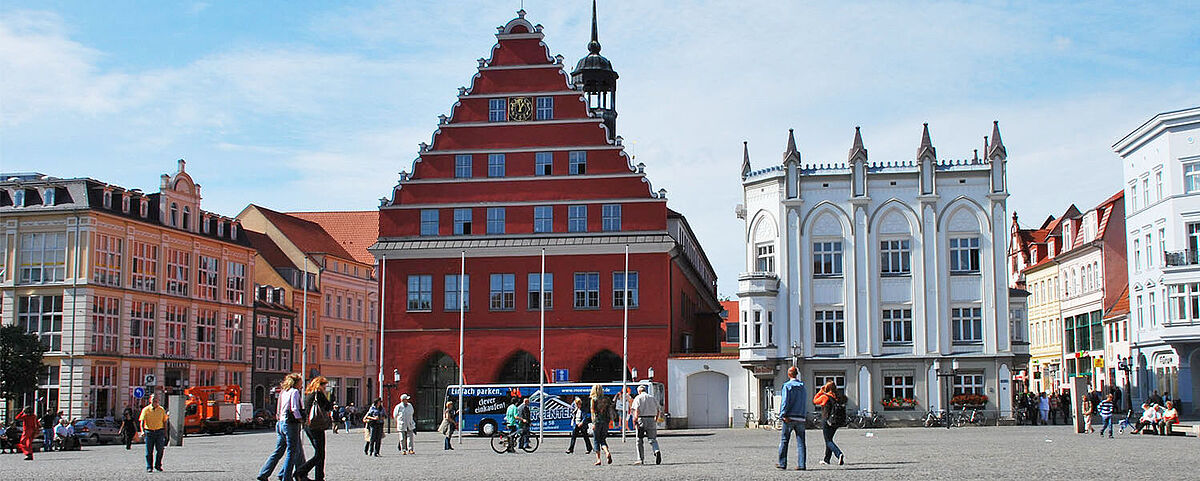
pixel 264 418
pixel 97 431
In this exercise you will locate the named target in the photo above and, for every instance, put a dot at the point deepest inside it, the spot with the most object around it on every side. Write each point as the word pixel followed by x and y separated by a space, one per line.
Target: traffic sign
pixel 150 380
pixel 139 392
pixel 561 375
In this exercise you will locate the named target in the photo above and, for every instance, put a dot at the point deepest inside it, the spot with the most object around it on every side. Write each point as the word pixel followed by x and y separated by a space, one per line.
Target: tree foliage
pixel 20 361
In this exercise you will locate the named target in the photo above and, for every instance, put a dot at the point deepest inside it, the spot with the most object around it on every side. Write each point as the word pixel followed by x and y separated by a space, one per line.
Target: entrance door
pixel 766 400
pixel 708 400
pixel 440 372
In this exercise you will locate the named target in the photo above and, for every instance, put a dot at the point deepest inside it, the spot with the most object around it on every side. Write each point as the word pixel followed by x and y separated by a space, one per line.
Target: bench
pixel 1186 429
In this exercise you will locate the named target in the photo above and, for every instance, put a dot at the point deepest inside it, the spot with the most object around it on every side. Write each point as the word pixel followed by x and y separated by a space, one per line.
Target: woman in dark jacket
pixel 317 409
pixel 602 414
pixel 128 427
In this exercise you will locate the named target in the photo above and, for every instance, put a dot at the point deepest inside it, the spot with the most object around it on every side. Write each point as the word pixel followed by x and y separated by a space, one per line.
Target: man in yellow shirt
pixel 154 433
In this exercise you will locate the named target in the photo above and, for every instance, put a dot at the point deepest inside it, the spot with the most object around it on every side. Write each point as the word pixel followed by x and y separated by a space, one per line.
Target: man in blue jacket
pixel 793 410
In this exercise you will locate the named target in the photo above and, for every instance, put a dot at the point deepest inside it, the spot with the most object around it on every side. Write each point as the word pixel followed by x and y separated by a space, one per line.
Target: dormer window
pixel 187 218
pixel 48 198
pixel 144 208
pixel 107 200
pixel 125 204
pixel 174 214
pixel 19 198
pixel 233 230
pixel 204 224
pixel 220 229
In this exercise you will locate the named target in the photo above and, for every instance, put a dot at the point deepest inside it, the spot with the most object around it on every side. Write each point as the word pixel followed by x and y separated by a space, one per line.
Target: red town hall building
pixel 528 161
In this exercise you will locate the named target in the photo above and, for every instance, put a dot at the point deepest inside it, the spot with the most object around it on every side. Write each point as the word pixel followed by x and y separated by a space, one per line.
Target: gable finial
pixel 594 45
pixel 926 147
pixel 857 149
pixel 745 159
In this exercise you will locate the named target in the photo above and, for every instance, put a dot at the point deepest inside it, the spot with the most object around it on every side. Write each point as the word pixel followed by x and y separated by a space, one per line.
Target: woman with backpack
pixel 833 416
pixel 317 417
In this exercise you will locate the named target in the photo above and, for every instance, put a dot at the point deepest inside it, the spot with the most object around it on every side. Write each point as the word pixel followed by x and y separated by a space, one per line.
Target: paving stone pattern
pixel 1026 452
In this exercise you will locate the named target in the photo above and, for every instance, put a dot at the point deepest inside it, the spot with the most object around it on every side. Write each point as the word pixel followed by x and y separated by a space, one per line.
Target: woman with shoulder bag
pixel 602 414
pixel 374 428
pixel 448 425
pixel 287 431
pixel 833 416
pixel 317 416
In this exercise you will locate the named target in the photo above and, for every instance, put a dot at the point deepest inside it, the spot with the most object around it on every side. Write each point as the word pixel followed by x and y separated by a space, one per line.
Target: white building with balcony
pixel 1161 164
pixel 876 275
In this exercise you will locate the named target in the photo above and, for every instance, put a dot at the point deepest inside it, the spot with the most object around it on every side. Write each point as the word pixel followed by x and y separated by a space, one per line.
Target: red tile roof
pixel 269 250
pixel 1121 307
pixel 355 231
pixel 308 236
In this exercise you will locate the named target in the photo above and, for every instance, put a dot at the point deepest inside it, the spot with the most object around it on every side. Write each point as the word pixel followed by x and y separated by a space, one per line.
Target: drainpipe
pixel 74 301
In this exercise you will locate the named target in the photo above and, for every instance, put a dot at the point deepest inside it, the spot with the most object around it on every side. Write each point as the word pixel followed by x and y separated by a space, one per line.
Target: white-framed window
pixel 610 217
pixel 145 267
pixel 462 221
pixel 895 257
pixel 233 336
pixel 48 197
pixel 497 110
pixel 207 276
pixel 1133 195
pixel 272 327
pixel 1153 310
pixel 968 324
pixel 899 385
pixel 587 290
pixel 1158 184
pixel 124 203
pixel 206 334
pixel 543 163
pixel 821 378
pixel 235 282
pixel 827 258
pixel 420 292
pixel 495 165
pixel 1162 243
pixel 187 218
pixel 175 327
pixel 577 218
pixel 577 162
pixel 272 359
pixel 452 288
pixel 543 218
pixel 42 316
pixel 543 291
pixel 285 329
pixel 1149 251
pixel 285 359
pixel 174 215
pixel 142 328
pixel 107 200
pixel 42 257
pixel 964 255
pixel 462 166
pixel 495 220
pixel 1191 177
pixel 358 349
pixel 619 289
pixel 545 108
pixel 758 327
pixel 897 326
pixel 179 272
pixel 106 324
pixel 337 347
pixel 328 346
pixel 1146 191
pixel 830 326
pixel 1137 255
pixel 502 292
pixel 764 257
pixel 968 383
pixel 107 264
pixel 429 222
pixel 19 198
pixel 260 358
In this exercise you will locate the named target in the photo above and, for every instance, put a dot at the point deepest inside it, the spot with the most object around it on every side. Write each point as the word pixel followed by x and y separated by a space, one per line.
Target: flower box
pixel 899 404
pixel 970 400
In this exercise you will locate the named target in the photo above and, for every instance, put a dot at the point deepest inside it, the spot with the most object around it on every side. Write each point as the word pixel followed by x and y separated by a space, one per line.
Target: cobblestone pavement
pixel 1027 452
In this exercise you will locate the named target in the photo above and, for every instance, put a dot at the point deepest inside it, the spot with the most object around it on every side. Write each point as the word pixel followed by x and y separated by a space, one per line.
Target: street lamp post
pixel 1125 364
pixel 942 372
pixel 395 382
pixel 795 353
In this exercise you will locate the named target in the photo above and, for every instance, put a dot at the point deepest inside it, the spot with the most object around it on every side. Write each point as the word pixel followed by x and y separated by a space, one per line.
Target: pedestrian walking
pixel 318 418
pixel 579 426
pixel 645 411
pixel 1088 411
pixel 290 414
pixel 793 411
pixel 373 428
pixel 336 413
pixel 833 416
pixel 1044 409
pixel 49 420
pixel 405 424
pixel 154 433
pixel 1054 409
pixel 1105 408
pixel 524 418
pixel 29 428
pixel 448 425
pixel 602 414
pixel 128 428
pixel 348 415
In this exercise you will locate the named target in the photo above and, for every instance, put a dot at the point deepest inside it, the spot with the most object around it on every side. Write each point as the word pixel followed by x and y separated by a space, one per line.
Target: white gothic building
pixel 877 275
pixel 1161 164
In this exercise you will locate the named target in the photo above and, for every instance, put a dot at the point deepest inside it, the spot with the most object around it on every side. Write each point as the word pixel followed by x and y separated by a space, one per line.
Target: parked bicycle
pixel 865 419
pixel 935 418
pixel 972 416
pixel 503 442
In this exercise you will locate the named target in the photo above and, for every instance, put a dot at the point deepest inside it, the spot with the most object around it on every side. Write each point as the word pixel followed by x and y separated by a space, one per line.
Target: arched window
pixel 108 200
pixel 174 215
pixel 521 367
pixel 48 198
pixel 19 198
pixel 187 218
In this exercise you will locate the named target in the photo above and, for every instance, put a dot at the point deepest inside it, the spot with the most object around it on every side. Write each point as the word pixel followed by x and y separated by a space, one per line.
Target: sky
pixel 307 105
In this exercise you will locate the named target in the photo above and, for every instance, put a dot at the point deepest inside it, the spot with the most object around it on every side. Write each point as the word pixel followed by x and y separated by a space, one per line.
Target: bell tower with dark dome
pixel 594 75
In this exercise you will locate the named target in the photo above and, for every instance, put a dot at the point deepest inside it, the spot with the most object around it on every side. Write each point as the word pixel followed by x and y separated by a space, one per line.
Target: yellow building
pixel 1036 251
pixel 126 289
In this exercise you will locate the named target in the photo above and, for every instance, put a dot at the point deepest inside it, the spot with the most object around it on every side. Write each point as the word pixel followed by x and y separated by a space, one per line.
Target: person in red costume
pixel 29 429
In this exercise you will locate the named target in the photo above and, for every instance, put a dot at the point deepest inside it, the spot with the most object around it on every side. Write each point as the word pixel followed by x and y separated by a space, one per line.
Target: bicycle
pixel 965 417
pixel 865 419
pixel 935 418
pixel 503 442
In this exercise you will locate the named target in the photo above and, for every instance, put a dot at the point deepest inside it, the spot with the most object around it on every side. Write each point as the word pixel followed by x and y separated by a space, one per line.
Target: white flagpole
pixel 382 310
pixel 462 274
pixel 304 326
pixel 625 344
pixel 542 359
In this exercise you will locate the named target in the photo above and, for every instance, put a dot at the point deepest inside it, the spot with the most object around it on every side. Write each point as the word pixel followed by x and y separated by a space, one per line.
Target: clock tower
pixel 594 75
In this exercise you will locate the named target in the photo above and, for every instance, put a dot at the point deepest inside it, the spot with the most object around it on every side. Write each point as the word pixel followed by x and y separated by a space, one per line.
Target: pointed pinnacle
pixel 594 45
pixel 997 148
pixel 857 146
pixel 926 144
pixel 791 145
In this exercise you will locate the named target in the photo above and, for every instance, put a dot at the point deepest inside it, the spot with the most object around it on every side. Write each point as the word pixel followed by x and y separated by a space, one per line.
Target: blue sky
pixel 317 105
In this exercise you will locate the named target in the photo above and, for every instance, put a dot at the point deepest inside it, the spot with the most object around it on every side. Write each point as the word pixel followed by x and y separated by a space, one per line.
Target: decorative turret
pixel 926 158
pixel 998 156
pixel 594 75
pixel 745 160
pixel 791 165
pixel 858 164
